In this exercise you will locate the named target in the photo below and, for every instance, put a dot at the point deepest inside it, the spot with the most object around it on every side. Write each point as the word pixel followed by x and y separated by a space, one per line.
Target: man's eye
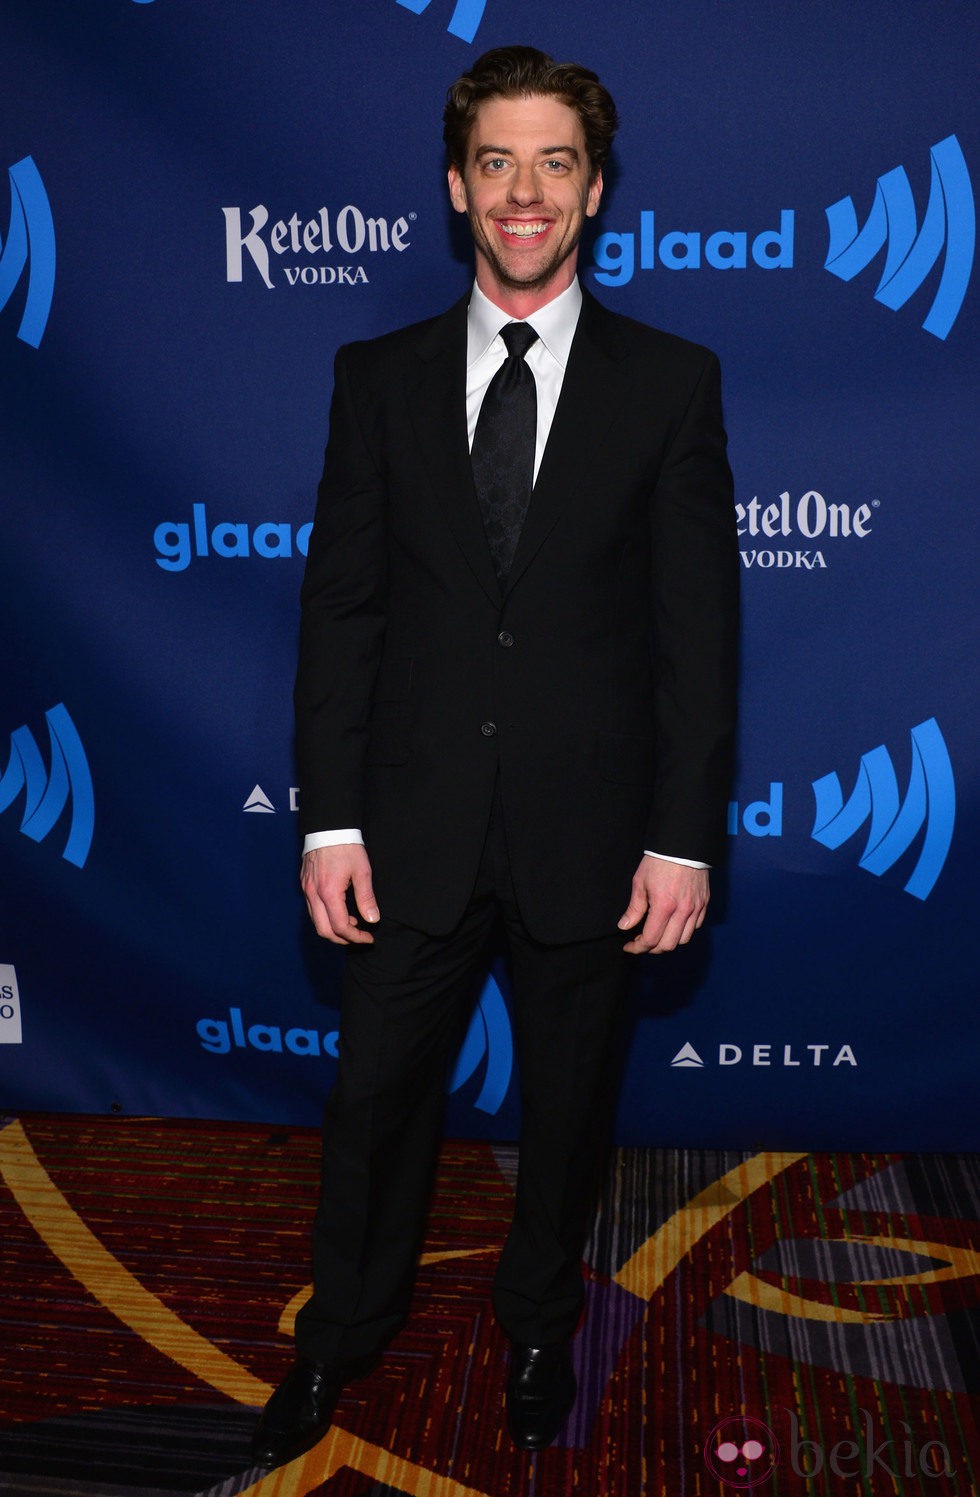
pixel 495 163
pixel 557 165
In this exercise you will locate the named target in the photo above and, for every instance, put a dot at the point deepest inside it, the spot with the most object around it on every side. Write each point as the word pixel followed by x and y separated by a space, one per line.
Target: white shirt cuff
pixel 312 840
pixel 666 858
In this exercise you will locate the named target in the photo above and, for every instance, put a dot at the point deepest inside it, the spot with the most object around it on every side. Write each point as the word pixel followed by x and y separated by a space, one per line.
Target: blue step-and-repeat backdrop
pixel 202 201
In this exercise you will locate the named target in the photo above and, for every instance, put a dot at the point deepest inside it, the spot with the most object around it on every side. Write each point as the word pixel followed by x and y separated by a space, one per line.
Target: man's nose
pixel 524 187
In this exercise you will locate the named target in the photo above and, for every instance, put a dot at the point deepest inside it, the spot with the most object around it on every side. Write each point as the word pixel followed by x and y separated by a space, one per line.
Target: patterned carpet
pixel 783 1323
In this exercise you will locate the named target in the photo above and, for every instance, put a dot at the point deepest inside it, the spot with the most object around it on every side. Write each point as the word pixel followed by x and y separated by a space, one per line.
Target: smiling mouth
pixel 522 229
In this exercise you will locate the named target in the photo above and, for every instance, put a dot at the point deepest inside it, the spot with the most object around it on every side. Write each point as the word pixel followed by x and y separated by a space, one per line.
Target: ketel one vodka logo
pixel 326 249
pixel 28 249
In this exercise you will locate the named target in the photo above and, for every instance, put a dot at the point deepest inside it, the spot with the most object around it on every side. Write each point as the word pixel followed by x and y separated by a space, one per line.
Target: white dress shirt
pixel 555 325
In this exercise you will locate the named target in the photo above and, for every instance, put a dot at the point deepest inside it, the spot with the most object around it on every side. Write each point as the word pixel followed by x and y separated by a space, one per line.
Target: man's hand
pixel 674 900
pixel 326 874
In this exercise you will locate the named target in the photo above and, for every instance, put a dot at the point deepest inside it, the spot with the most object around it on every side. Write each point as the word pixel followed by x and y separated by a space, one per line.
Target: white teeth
pixel 524 231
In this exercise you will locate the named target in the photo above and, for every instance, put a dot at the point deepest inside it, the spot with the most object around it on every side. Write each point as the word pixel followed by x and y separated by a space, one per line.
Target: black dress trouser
pixel 405 1003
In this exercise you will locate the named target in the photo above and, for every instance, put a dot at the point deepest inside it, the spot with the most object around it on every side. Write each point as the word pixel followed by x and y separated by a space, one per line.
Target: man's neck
pixel 517 302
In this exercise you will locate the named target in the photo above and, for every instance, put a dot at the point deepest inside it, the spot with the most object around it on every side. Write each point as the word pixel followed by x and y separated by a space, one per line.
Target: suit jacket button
pixel 488 729
pixel 505 638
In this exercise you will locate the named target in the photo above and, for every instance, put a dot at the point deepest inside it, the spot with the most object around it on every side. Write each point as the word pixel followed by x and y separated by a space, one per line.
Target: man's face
pixel 526 191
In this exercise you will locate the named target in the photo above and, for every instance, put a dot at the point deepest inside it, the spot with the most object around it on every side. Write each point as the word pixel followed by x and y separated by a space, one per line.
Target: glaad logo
pixel 489 1036
pixel 177 542
pixel 948 229
pixel 349 232
pixel 29 245
pixel 688 249
pixel 929 805
pixel 220 1036
pixel 464 21
pixel 10 1026
pixel 47 792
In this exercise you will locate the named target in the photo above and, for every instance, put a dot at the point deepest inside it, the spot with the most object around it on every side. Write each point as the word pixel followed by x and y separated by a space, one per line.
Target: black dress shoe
pixel 541 1389
pixel 298 1414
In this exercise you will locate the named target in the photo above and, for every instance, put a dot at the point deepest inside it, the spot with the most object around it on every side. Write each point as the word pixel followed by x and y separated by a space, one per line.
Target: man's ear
pixel 457 190
pixel 595 193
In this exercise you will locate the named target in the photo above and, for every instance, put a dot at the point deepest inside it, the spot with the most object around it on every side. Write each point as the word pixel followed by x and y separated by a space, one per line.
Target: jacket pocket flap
pixel 626 758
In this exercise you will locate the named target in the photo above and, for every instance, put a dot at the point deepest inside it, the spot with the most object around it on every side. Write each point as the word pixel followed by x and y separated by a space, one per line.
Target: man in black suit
pixel 515 710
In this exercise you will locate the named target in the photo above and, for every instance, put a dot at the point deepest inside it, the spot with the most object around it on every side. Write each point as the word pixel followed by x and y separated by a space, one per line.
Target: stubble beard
pixel 537 281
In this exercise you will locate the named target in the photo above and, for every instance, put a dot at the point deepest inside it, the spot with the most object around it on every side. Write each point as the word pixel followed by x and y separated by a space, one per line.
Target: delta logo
pixel 257 803
pixel 939 248
pixel 766 1054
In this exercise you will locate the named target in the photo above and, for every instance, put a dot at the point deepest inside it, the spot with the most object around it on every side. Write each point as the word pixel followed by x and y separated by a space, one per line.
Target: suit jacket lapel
pixel 437 402
pixel 588 404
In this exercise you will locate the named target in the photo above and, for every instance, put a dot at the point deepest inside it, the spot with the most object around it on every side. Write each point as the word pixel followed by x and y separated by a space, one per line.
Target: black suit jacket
pixel 599 683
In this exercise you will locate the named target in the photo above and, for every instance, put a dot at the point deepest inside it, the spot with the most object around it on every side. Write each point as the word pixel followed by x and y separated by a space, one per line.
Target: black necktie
pixel 503 447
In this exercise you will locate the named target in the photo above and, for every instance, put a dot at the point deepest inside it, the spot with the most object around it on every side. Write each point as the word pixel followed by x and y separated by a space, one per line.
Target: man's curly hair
pixel 520 72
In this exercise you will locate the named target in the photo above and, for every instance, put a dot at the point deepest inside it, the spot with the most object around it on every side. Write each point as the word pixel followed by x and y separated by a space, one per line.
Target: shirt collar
pixel 554 323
